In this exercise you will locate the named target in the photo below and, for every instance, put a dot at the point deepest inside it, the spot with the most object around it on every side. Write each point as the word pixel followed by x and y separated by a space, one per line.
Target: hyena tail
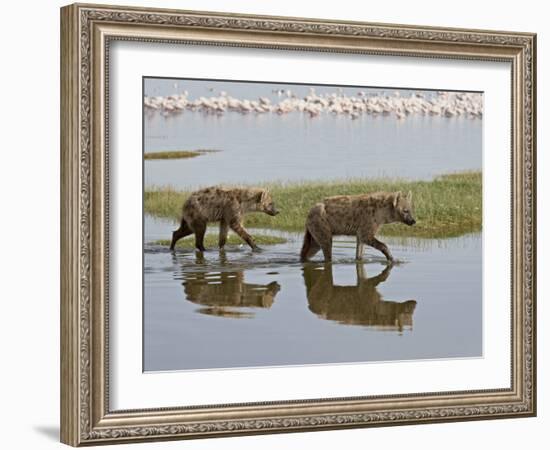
pixel 309 248
pixel 181 232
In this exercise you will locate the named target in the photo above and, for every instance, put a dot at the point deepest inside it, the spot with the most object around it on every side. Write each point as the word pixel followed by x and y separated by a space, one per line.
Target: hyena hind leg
pixel 323 237
pixel 319 227
pixel 224 229
pixel 309 248
pixel 327 250
pixel 200 231
pixel 181 232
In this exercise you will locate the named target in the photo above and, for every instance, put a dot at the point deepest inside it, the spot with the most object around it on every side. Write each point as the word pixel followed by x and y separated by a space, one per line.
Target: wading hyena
pixel 225 205
pixel 354 215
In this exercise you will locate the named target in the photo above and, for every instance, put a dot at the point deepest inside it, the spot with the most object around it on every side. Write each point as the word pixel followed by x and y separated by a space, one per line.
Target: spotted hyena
pixel 226 206
pixel 354 215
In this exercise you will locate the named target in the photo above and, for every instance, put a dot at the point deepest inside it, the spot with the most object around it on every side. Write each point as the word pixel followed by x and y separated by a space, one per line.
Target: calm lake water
pixel 267 147
pixel 244 309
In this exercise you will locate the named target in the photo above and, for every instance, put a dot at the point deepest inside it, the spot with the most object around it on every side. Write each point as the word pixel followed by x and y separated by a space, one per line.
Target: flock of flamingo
pixel 445 104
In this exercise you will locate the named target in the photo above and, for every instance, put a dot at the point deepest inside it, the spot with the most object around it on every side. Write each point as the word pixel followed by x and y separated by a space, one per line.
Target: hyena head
pixel 402 206
pixel 264 203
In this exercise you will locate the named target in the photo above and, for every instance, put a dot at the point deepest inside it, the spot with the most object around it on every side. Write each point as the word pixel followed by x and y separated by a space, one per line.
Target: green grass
pixel 211 241
pixel 176 154
pixel 448 206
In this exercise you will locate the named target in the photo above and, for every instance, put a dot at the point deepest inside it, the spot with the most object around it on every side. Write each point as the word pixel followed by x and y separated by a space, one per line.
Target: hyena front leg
pixel 373 242
pixel 362 239
pixel 224 229
pixel 240 230
pixel 359 249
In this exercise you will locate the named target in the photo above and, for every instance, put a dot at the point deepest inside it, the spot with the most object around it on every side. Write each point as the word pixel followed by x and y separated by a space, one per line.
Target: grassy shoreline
pixel 447 206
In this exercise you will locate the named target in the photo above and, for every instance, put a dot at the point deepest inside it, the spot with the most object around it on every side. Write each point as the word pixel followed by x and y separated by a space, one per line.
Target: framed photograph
pixel 278 224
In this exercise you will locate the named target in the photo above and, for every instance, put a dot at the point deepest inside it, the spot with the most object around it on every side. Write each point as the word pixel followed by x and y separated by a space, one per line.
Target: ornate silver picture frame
pixel 87 33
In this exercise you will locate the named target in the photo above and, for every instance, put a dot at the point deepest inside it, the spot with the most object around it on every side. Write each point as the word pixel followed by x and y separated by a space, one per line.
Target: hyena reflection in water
pixel 361 304
pixel 224 293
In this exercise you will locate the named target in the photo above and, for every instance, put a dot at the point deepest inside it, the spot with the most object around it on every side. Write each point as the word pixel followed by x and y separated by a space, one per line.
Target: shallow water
pixel 243 309
pixel 262 148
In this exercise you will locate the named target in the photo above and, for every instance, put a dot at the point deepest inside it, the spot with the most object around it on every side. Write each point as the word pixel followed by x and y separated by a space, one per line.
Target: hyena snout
pixel 408 219
pixel 271 210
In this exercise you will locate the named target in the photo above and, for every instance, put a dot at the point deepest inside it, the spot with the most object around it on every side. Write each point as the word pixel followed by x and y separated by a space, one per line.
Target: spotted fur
pixel 354 215
pixel 226 206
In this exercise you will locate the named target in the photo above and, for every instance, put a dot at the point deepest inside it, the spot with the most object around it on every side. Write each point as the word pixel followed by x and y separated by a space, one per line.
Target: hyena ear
pixel 396 199
pixel 260 195
pixel 409 196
